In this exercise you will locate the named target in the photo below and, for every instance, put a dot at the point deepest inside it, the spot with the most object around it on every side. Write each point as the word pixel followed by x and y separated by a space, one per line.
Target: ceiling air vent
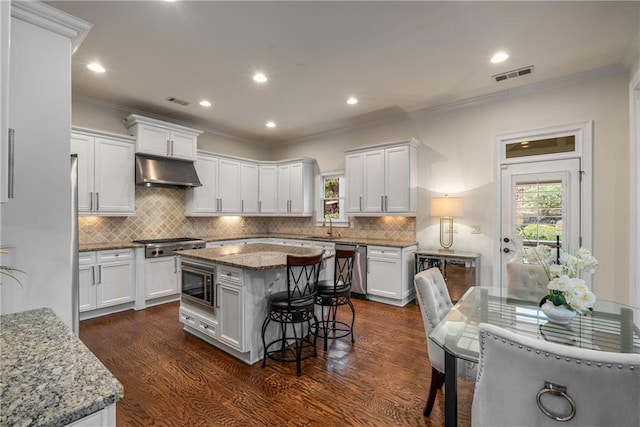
pixel 514 73
pixel 178 101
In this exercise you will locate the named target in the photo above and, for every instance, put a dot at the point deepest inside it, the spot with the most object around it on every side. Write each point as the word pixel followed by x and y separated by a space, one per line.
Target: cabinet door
pixel 87 288
pixel 267 188
pixel 373 185
pixel 249 188
pixel 183 145
pixel 284 188
pixel 83 146
pixel 384 277
pixel 354 174
pixel 153 140
pixel 204 200
pixel 114 176
pixel 231 315
pixel 396 174
pixel 296 196
pixel 229 186
pixel 161 277
pixel 115 283
pixel 5 35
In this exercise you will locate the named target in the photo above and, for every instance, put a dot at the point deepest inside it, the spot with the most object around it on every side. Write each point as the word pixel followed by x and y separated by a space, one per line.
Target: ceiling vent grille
pixel 513 74
pixel 177 101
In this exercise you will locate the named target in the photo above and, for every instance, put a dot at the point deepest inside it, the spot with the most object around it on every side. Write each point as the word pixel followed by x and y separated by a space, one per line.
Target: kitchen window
pixel 332 187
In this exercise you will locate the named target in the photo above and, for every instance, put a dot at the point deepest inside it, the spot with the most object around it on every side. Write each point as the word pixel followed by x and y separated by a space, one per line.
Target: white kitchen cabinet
pixel 295 188
pixel 161 277
pixel 268 189
pixel 107 278
pixel 382 179
pixel 36 223
pixel 204 200
pixel 229 198
pixel 5 34
pixel 163 139
pixel 390 274
pixel 230 307
pixel 249 188
pixel 106 179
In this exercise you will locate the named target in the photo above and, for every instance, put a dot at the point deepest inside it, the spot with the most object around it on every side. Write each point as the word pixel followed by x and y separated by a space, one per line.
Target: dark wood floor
pixel 171 378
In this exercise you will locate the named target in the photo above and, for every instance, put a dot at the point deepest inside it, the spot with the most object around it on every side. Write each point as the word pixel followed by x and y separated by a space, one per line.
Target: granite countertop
pixel 48 377
pixel 87 247
pixel 256 256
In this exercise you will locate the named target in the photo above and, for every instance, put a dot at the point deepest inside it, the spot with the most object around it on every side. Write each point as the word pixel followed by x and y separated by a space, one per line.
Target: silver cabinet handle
pixel 382 203
pixel 175 264
pixel 168 147
pixel 99 274
pixel 172 143
pixel 11 151
pixel 386 203
pixel 91 200
pixel 360 204
pixel 97 201
pixel 218 295
pixel 259 205
pixel 241 205
pixel 93 274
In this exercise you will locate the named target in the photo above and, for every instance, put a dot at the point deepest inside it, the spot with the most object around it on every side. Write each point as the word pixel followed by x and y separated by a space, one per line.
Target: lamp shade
pixel 446 206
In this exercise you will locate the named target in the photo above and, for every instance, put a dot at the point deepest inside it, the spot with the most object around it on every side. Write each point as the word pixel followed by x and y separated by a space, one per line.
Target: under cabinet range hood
pixel 154 171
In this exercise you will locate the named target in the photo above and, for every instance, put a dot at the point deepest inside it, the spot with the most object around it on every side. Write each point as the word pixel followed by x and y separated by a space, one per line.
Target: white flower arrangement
pixel 565 286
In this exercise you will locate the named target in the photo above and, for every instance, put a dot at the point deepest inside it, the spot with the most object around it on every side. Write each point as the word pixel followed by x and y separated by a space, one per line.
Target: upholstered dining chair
pixel 525 381
pixel 434 300
pixel 530 277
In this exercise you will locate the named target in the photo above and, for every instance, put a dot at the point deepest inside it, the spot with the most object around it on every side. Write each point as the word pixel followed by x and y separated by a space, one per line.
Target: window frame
pixel 343 221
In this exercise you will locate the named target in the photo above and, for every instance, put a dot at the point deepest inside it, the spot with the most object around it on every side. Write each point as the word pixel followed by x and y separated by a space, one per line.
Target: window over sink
pixel 332 200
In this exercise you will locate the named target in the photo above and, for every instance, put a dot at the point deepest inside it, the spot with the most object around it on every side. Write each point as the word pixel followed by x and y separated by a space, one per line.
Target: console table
pixel 425 258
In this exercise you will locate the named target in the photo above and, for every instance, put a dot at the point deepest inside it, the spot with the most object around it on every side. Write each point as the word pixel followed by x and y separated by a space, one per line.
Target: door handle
pixel 11 153
pixel 175 265
pixel 97 201
pixel 241 205
pixel 360 204
pixel 506 250
pixel 172 147
pixel 386 203
pixel 93 274
pixel 506 240
pixel 168 147
pixel 382 203
pixel 99 274
pixel 259 205
pixel 91 200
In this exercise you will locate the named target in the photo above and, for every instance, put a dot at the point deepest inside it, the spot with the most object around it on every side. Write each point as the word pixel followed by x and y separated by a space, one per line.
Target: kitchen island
pixel 48 377
pixel 244 277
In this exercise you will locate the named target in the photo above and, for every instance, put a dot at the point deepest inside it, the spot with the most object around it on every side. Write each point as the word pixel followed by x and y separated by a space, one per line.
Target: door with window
pixel 540 206
pixel 545 192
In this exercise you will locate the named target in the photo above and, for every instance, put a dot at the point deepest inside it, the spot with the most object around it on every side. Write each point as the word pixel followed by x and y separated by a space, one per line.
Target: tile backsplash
pixel 160 214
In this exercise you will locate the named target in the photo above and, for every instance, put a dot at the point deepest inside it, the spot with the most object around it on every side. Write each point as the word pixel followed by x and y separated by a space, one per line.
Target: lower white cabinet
pixel 104 418
pixel 161 277
pixel 390 274
pixel 107 278
pixel 229 285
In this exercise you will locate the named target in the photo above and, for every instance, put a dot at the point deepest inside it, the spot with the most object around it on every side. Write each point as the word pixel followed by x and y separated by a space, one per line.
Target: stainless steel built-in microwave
pixel 198 285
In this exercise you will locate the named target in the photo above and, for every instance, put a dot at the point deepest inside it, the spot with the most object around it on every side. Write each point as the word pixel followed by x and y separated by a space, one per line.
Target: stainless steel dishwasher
pixel 359 283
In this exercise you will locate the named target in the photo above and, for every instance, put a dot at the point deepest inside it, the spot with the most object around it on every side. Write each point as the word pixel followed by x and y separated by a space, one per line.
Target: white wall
pixel 457 158
pixel 109 118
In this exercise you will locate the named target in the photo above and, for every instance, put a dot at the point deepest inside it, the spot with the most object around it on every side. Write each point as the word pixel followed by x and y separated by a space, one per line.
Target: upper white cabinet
pixel 233 186
pixel 5 34
pixel 295 188
pixel 164 139
pixel 106 180
pixel 382 179
pixel 268 189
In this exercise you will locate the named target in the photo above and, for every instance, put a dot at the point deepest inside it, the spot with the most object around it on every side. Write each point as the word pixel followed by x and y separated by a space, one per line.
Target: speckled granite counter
pixel 48 377
pixel 256 256
pixel 346 240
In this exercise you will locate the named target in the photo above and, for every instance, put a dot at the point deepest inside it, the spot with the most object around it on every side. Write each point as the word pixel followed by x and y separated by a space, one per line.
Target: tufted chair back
pixel 434 300
pixel 531 277
pixel 513 369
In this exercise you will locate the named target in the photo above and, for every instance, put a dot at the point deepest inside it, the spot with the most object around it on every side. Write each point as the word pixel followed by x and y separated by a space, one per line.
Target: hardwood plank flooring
pixel 172 378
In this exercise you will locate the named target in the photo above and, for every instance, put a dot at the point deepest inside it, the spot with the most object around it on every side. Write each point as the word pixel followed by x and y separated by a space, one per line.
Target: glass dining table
pixel 610 327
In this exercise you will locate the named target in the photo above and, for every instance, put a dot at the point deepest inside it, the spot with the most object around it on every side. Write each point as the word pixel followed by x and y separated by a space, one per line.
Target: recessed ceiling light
pixel 499 57
pixel 205 103
pixel 270 124
pixel 351 100
pixel 259 77
pixel 95 67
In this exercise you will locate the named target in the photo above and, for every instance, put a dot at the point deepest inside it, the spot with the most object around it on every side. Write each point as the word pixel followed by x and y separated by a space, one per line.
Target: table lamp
pixel 446 208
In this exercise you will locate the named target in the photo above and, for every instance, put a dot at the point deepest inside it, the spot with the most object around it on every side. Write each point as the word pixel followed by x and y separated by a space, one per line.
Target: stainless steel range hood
pixel 153 171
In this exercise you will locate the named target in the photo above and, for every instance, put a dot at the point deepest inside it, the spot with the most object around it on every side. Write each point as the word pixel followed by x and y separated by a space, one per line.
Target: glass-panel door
pixel 540 205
